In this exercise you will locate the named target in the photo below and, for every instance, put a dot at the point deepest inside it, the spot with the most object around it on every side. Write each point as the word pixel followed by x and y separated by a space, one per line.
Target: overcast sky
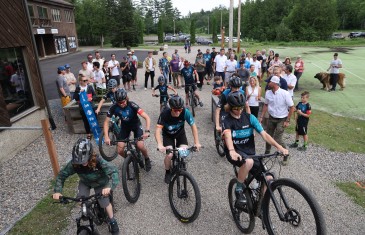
pixel 185 6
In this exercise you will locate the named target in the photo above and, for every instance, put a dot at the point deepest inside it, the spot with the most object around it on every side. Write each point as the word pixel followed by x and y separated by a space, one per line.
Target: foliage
pixel 160 31
pixel 214 30
pixel 192 31
pixel 356 193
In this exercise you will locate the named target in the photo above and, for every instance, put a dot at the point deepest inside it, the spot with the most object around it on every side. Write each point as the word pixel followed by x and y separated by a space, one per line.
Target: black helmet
pixel 81 151
pixel 161 79
pixel 176 102
pixel 235 82
pixel 120 94
pixel 112 83
pixel 236 99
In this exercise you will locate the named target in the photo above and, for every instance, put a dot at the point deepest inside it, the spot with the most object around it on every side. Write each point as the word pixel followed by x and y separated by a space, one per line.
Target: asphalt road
pixel 49 66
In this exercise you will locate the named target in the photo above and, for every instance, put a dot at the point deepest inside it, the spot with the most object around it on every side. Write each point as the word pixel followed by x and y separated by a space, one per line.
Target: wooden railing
pixel 37 22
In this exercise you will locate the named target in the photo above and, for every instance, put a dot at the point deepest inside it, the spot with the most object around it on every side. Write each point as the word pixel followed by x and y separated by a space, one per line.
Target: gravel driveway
pixel 25 180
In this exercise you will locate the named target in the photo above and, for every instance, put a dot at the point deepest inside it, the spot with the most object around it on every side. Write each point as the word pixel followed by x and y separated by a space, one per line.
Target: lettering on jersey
pixel 244 141
pixel 240 134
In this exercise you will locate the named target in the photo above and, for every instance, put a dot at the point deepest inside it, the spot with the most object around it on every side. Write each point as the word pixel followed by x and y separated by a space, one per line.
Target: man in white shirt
pixel 229 68
pixel 114 66
pixel 290 79
pixel 150 65
pixel 90 62
pixel 334 69
pixel 257 66
pixel 280 106
pixel 98 58
pixel 219 64
pixel 99 78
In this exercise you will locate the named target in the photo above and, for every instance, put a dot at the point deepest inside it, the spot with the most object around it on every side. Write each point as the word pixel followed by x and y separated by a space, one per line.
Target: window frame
pixel 42 8
pixel 68 16
pixel 56 15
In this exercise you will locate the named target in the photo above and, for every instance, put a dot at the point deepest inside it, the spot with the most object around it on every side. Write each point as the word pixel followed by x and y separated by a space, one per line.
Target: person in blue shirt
pixel 162 87
pixel 171 125
pixel 238 133
pixel 208 66
pixel 188 73
pixel 164 66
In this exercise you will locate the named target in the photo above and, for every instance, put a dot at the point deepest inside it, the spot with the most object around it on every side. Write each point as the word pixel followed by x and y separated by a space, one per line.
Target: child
pixel 303 110
pixel 94 172
pixel 162 87
pixel 112 86
pixel 218 87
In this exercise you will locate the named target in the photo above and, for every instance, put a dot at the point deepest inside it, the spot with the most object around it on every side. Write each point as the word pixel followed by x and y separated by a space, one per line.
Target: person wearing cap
pixel 71 80
pixel 62 86
pixel 334 69
pixel 188 73
pixel 298 70
pixel 84 71
pixel 150 66
pixel 200 65
pixel 280 106
pixel 219 64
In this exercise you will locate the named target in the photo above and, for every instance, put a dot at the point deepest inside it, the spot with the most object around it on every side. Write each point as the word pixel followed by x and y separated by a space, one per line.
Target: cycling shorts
pixel 187 87
pixel 175 140
pixel 125 131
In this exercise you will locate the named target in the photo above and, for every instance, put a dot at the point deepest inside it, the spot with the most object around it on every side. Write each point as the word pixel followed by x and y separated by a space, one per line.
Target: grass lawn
pixel 356 193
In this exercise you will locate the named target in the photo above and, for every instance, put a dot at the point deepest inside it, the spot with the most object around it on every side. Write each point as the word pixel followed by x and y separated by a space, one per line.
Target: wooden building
pixel 53 26
pixel 22 99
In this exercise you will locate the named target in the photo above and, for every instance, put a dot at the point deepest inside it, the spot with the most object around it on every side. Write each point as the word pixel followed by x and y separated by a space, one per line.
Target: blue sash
pixel 90 115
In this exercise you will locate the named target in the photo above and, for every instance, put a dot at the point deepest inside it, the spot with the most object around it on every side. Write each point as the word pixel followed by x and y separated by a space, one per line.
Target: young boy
pixel 218 87
pixel 303 110
pixel 162 87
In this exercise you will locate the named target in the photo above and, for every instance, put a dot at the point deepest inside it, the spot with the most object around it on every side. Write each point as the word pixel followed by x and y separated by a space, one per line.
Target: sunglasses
pixel 122 102
pixel 177 110
pixel 237 108
pixel 85 80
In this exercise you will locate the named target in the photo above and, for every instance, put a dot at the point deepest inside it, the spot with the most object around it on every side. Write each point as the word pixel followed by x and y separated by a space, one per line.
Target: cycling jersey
pixel 224 96
pixel 188 75
pixel 174 125
pixel 208 59
pixel 162 89
pixel 128 115
pixel 306 109
pixel 242 131
pixel 110 95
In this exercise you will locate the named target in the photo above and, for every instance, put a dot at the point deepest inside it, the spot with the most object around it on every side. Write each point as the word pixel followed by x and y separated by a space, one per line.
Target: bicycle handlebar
pixel 261 156
pixel 66 200
pixel 192 148
pixel 126 140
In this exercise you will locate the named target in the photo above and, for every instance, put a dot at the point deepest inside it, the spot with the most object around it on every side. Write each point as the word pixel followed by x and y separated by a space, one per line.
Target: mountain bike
pixel 110 152
pixel 165 103
pixel 219 144
pixel 286 207
pixel 184 193
pixel 91 213
pixel 193 100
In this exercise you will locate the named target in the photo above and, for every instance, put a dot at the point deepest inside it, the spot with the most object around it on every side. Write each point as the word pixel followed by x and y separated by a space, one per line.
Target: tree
pixel 214 30
pixel 192 31
pixel 160 31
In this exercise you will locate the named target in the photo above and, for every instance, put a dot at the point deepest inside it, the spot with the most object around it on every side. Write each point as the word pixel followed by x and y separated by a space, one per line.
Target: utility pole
pixel 230 24
pixel 208 24
pixel 239 27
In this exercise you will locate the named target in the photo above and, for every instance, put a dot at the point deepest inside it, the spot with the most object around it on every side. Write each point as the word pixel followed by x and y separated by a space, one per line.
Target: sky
pixel 185 6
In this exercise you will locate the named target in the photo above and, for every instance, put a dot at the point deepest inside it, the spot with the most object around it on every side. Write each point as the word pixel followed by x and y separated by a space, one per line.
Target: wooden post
pixel 239 28
pixel 222 40
pixel 51 147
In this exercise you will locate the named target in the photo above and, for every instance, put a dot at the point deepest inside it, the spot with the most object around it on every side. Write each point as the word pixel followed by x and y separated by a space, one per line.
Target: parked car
pixel 337 36
pixel 362 35
pixel 234 39
pixel 354 34
pixel 169 38
pixel 203 41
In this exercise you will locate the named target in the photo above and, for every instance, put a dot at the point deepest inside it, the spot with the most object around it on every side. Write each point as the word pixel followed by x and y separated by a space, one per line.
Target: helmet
pixel 81 151
pixel 235 82
pixel 112 83
pixel 176 102
pixel 161 79
pixel 236 99
pixel 120 94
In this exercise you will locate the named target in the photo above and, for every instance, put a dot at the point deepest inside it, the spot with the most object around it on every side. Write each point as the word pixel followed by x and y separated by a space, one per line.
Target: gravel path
pixel 25 180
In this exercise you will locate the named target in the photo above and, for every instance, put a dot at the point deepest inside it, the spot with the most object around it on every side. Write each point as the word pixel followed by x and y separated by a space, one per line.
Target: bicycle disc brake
pixel 293 217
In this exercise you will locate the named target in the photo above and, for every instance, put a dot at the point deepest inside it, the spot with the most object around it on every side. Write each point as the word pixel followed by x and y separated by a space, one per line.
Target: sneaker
pixel 285 161
pixel 302 148
pixel 241 200
pixel 148 164
pixel 134 88
pixel 167 178
pixel 145 89
pixel 114 228
pixel 201 104
pixel 294 145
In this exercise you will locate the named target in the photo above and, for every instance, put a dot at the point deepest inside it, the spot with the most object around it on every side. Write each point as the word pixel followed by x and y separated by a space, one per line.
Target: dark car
pixel 203 41
pixel 354 34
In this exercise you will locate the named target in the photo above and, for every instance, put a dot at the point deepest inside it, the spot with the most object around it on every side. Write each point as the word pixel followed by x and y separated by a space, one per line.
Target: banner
pixel 90 115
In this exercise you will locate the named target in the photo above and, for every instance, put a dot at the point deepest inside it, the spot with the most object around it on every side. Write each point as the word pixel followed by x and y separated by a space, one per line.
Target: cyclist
pixel 112 87
pixel 235 84
pixel 188 74
pixel 162 87
pixel 238 133
pixel 171 124
pixel 94 172
pixel 128 112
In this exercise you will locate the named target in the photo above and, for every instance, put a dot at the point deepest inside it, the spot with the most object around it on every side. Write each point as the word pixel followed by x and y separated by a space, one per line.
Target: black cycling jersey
pixel 188 74
pixel 174 125
pixel 110 95
pixel 162 89
pixel 242 131
pixel 128 115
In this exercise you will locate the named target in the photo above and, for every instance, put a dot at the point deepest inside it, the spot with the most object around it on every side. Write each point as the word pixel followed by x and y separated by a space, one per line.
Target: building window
pixel 42 12
pixel 60 44
pixel 14 81
pixel 68 16
pixel 31 11
pixel 72 42
pixel 56 15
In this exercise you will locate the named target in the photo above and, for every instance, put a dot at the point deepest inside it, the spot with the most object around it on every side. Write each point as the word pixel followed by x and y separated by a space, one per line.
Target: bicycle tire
pixel 192 103
pixel 109 153
pixel 180 178
pixel 219 145
pixel 243 218
pixel 292 191
pixel 130 173
pixel 83 230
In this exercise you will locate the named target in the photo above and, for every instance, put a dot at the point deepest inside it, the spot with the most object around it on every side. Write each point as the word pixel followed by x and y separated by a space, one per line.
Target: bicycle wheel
pixel 243 217
pixel 192 103
pixel 184 197
pixel 302 214
pixel 131 179
pixel 108 152
pixel 219 143
pixel 83 230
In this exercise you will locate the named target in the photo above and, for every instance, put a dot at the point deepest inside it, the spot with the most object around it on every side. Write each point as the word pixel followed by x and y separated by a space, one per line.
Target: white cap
pixel 275 79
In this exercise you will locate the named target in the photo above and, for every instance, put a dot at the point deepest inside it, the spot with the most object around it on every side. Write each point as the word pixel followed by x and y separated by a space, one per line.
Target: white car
pixel 234 39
